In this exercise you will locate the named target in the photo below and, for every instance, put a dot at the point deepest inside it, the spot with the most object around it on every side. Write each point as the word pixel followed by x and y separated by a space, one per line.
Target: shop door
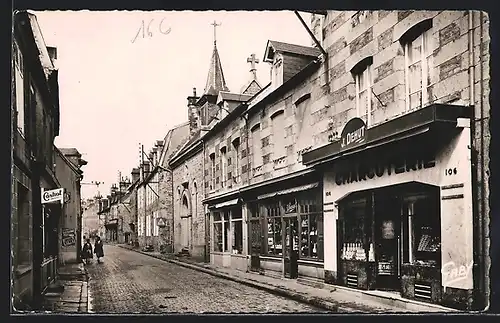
pixel 387 234
pixel 291 247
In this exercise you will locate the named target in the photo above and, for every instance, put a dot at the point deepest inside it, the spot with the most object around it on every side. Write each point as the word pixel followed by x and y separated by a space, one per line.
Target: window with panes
pixel 212 171
pixel 364 82
pixel 236 159
pixel 311 226
pixel 218 232
pixel 274 228
pixel 236 230
pixel 419 66
pixel 223 165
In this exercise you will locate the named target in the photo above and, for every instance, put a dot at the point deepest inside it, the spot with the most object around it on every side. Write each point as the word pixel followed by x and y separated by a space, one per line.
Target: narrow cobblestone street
pixel 129 282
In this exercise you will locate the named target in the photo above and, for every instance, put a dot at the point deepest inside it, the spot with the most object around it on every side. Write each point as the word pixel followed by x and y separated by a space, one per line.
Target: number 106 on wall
pixel 450 171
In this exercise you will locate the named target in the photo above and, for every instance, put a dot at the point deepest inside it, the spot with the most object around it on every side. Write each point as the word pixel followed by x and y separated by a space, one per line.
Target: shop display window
pixel 274 236
pixel 309 235
pixel 356 241
pixel 237 236
pixel 421 231
pixel 218 236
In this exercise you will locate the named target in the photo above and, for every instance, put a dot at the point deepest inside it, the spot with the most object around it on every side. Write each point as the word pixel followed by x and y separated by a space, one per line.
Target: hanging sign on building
pixel 353 134
pixel 52 196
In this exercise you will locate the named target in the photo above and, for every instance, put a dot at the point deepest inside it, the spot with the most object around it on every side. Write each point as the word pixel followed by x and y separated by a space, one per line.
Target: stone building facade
pixel 34 125
pixel 155 192
pixel 68 170
pixel 379 69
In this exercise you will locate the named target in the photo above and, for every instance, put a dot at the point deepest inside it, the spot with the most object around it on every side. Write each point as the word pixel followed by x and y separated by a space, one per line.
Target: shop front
pixel 112 230
pixel 227 235
pixel 398 206
pixel 286 233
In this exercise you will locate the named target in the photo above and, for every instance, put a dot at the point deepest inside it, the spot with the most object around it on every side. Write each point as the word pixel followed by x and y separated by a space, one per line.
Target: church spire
pixel 215 79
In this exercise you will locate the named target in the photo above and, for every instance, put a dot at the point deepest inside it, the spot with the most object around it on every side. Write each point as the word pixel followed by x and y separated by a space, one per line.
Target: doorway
pixel 387 237
pixel 291 246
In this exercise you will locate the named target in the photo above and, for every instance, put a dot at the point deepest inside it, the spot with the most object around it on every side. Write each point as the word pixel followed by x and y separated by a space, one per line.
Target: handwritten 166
pixel 146 29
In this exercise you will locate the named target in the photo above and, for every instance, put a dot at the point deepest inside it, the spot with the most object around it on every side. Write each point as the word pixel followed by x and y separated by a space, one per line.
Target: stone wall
pixel 188 180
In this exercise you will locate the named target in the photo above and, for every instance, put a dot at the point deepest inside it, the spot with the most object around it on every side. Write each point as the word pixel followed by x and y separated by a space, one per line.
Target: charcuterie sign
pixel 51 196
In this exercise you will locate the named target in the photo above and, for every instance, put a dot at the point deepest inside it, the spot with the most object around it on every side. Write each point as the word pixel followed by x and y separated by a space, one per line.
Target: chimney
pixel 123 185
pixel 145 166
pixel 52 54
pixel 193 113
pixel 135 174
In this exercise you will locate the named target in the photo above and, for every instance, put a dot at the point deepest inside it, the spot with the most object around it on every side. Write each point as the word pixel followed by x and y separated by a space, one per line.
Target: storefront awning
pixel 406 126
pixel 224 204
pixel 288 191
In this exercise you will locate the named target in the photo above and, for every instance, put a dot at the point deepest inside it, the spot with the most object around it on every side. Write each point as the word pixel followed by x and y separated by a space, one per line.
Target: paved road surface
pixel 129 282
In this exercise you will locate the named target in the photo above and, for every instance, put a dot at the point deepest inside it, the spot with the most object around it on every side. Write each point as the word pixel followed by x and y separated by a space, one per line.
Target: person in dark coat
pixel 87 252
pixel 98 249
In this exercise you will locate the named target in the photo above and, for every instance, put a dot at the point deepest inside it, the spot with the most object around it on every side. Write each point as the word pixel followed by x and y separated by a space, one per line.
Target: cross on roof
pixel 252 60
pixel 215 24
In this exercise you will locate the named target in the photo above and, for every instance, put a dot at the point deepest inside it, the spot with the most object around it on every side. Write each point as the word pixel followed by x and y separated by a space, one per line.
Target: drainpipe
pixel 484 219
pixel 475 208
pixel 207 217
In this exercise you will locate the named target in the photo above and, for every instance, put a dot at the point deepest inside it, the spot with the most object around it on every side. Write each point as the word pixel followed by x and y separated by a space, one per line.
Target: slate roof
pixel 215 79
pixel 294 49
pixel 228 96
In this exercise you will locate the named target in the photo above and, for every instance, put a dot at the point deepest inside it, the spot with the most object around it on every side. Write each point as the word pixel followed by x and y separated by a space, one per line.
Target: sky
pixel 123 83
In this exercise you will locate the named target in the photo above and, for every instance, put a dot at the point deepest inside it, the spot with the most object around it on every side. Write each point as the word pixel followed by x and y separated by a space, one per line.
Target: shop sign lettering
pixel 68 237
pixel 363 171
pixel 353 133
pixel 51 196
pixel 452 273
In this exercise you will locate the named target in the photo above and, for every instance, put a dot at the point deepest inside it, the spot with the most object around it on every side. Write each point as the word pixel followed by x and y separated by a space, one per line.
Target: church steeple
pixel 215 79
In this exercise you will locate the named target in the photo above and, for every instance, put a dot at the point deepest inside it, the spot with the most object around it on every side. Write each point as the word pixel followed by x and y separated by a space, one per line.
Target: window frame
pixel 223 166
pixel 367 76
pixel 422 30
pixel 256 146
pixel 212 171
pixel 236 166
pixel 278 136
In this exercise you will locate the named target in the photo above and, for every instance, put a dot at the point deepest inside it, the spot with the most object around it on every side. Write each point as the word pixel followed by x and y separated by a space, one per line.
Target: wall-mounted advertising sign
pixel 353 134
pixel 53 196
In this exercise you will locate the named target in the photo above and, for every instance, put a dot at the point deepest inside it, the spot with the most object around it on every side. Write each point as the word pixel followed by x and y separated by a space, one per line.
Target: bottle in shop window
pixel 371 253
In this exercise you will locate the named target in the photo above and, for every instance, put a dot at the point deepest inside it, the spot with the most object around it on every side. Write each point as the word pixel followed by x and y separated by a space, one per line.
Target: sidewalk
pixel 334 298
pixel 69 294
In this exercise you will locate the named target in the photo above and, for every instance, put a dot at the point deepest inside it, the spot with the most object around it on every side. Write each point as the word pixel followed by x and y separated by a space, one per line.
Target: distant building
pixel 90 218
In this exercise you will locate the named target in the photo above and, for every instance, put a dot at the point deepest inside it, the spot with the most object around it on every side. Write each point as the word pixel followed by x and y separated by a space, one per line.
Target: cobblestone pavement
pixel 129 282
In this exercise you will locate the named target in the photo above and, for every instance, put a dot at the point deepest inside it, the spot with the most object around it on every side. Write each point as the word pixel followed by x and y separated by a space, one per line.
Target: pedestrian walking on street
pixel 87 254
pixel 98 249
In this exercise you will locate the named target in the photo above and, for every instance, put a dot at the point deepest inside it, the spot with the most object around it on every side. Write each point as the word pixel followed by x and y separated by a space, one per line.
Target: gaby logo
pixel 53 195
pixel 452 272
